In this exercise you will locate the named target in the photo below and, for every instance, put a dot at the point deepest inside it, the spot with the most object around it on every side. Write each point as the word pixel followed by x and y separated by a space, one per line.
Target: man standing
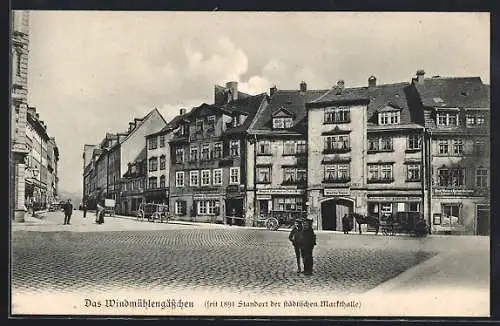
pixel 345 224
pixel 294 237
pixel 84 209
pixel 68 210
pixel 308 241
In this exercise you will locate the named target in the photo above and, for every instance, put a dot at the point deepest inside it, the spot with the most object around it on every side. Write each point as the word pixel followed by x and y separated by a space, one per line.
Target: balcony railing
pixel 337 180
pixel 337 150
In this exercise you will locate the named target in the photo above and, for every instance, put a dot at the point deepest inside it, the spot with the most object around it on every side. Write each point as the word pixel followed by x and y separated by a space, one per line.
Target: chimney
pixel 37 116
pixel 272 90
pixel 340 84
pixel 303 87
pixel 182 111
pixel 420 76
pixel 232 87
pixel 131 126
pixel 372 81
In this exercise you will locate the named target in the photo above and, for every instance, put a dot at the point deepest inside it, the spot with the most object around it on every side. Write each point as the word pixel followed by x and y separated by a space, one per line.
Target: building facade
pixel 133 185
pixel 278 150
pixel 457 121
pixel 19 108
pixel 208 158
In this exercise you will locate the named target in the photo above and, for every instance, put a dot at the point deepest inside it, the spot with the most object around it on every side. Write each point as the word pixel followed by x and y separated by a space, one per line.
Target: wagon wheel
pixel 154 216
pixel 272 224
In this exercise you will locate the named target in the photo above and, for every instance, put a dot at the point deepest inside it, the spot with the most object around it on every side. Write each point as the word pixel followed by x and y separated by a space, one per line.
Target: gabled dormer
pixel 389 115
pixel 282 119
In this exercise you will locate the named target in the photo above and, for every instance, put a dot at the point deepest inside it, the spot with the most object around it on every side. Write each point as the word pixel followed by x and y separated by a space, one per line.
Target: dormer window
pixel 199 125
pixel 447 119
pixel 389 117
pixel 211 123
pixel 236 121
pixel 282 123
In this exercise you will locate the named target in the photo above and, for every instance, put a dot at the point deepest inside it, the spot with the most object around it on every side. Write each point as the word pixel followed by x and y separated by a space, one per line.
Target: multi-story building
pixel 133 184
pixel 365 153
pixel 457 121
pixel 277 150
pixel 208 157
pixel 158 158
pixel 19 108
pixel 88 166
pixel 41 163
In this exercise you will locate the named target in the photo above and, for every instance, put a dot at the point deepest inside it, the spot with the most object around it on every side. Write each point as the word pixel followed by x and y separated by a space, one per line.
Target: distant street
pixel 155 257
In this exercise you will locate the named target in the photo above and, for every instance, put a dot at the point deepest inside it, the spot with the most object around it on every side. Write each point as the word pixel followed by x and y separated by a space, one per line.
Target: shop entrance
pixel 483 219
pixel 235 207
pixel 263 207
pixel 332 211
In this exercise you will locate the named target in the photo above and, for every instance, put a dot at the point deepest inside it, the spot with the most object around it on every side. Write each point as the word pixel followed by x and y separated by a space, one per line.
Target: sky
pixel 91 72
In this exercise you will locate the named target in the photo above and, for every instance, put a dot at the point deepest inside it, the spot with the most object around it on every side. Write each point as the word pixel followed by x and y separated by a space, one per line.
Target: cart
pixel 153 212
pixel 109 207
pixel 276 219
pixel 411 223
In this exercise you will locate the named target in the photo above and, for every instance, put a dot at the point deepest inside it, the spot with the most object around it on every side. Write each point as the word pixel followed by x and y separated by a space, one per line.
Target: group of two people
pixel 303 239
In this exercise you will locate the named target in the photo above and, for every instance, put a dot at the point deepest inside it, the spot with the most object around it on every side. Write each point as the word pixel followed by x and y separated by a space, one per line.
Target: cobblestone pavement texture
pixel 185 256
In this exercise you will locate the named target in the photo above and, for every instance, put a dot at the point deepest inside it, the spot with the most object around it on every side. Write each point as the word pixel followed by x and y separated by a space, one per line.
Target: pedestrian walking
pixel 100 213
pixel 294 237
pixel 307 243
pixel 345 224
pixel 68 210
pixel 84 209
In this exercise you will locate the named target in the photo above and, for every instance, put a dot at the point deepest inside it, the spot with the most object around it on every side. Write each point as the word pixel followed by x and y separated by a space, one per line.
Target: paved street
pixel 126 254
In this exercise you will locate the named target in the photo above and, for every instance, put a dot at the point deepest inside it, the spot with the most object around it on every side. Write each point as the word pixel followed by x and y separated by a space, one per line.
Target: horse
pixel 368 220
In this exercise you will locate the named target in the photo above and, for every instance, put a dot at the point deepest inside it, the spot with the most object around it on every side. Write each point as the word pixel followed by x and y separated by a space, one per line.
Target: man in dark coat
pixel 345 224
pixel 307 243
pixel 294 237
pixel 68 210
pixel 84 209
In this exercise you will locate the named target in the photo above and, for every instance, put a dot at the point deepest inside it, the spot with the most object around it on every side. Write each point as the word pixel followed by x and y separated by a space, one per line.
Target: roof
pixel 292 101
pixel 140 122
pixel 220 93
pixel 380 98
pixel 249 106
pixel 460 92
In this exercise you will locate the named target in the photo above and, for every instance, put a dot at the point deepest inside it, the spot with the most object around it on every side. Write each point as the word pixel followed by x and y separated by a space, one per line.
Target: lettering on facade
pixel 206 196
pixel 395 199
pixel 336 192
pixel 453 192
pixel 280 192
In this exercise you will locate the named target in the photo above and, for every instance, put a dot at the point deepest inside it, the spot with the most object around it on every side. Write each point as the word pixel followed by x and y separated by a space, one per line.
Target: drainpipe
pixel 254 175
pixel 428 142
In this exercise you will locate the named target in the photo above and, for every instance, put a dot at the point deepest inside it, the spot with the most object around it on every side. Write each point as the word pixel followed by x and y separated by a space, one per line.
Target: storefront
pixel 382 206
pixel 281 202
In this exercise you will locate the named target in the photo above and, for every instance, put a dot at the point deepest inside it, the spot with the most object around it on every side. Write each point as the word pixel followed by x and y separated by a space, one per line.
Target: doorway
pixel 332 211
pixel 235 206
pixel 263 207
pixel 483 219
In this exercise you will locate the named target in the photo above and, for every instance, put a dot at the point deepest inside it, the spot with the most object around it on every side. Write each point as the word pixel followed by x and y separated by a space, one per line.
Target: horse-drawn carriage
pixel 153 212
pixel 411 223
pixel 276 219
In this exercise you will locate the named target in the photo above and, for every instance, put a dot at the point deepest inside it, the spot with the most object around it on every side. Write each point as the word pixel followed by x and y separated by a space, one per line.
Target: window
pixel 179 155
pixel 234 175
pixel 289 204
pixel 301 147
pixel 380 144
pixel 179 179
pixel 282 123
pixel 451 215
pixel 447 119
pixel 389 118
pixel 289 147
pixel 473 120
pixel 234 145
pixel 479 147
pixel 153 164
pixel 162 141
pixel 380 173
pixel 207 207
pixel 443 147
pixel 482 178
pixel 180 207
pixel 193 178
pixel 414 142
pixel 217 176
pixel 217 150
pixel 337 173
pixel 153 143
pixel 162 181
pixel 162 162
pixel 264 174
pixel 205 152
pixel 152 182
pixel 451 177
pixel 337 115
pixel 301 175
pixel 458 146
pixel 199 126
pixel 193 153
pixel 413 172
pixel 334 144
pixel 264 148
pixel 289 175
pixel 236 121
pixel 205 177
pixel 211 123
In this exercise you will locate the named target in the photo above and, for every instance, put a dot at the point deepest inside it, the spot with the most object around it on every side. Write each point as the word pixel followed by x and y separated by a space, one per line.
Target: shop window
pixel 207 207
pixel 451 215
pixel 287 204
pixel 414 207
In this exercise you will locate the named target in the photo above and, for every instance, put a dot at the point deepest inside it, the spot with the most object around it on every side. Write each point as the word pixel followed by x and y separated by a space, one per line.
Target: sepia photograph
pixel 168 163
